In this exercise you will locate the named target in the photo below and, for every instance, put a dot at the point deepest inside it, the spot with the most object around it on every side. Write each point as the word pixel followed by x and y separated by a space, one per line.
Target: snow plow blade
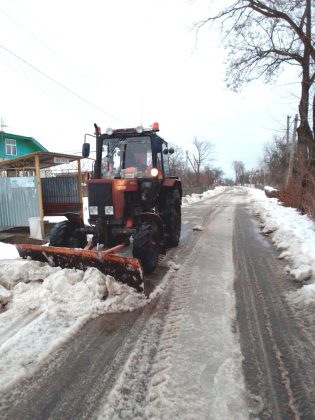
pixel 125 269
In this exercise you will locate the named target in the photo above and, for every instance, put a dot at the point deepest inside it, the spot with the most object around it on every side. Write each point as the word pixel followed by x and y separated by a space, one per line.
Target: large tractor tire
pixel 170 209
pixel 148 252
pixel 67 234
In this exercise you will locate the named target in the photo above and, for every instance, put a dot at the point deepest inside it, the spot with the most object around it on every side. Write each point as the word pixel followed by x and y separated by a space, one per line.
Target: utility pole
pixel 288 129
pixel 188 160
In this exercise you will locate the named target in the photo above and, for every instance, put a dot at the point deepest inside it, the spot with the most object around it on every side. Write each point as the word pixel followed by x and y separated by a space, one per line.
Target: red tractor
pixel 132 199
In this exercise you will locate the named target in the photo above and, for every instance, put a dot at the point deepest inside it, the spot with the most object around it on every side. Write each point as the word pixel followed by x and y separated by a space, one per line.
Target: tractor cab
pixel 127 158
pixel 130 153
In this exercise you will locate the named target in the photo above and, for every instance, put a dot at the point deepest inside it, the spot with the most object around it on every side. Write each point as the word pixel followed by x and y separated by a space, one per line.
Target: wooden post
pixel 40 195
pixel 80 190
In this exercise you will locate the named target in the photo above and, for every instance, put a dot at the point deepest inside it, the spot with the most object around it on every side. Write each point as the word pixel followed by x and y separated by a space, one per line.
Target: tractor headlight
pixel 109 210
pixel 154 172
pixel 93 210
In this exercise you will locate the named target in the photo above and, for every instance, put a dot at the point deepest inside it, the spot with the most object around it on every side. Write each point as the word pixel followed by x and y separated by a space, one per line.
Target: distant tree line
pixel 195 167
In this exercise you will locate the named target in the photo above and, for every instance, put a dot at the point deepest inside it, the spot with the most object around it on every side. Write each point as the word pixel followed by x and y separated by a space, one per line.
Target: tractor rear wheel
pixel 67 234
pixel 148 252
pixel 170 208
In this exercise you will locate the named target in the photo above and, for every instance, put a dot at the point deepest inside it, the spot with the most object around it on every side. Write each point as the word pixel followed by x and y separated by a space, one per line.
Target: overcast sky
pixel 122 63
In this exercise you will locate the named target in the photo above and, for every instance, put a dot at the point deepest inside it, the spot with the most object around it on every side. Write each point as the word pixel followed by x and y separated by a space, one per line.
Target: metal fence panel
pixel 61 195
pixel 18 201
pixel 60 190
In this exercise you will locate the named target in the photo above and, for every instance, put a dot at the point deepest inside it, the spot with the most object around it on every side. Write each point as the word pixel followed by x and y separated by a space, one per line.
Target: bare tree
pixel 275 161
pixel 239 169
pixel 262 37
pixel 201 157
pixel 177 161
pixel 213 176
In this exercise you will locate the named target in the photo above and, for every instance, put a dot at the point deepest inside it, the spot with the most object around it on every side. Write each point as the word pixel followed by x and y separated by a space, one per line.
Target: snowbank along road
pixel 225 332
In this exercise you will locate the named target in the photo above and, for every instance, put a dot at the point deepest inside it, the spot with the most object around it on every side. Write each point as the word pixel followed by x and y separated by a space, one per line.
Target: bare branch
pixel 263 36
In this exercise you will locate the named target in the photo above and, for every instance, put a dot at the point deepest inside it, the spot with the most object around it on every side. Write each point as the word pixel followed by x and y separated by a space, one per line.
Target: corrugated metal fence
pixel 60 190
pixel 18 201
pixel 60 194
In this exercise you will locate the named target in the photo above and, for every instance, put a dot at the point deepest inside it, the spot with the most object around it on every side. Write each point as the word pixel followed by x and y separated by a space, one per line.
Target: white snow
pixel 293 234
pixel 42 306
pixel 8 251
pixel 43 313
pixel 267 188
pixel 194 198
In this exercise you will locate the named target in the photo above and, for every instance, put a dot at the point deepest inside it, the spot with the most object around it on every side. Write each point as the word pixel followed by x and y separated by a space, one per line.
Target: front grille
pixel 100 195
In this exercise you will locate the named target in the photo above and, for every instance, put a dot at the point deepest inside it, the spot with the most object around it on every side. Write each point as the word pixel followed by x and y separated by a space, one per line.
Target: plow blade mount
pixel 125 269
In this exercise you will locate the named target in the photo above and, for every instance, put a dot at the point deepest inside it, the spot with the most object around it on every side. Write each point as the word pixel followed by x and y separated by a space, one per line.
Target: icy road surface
pixel 196 372
pixel 178 353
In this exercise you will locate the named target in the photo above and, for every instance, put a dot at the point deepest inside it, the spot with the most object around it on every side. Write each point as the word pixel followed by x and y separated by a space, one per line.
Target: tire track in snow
pixel 197 372
pixel 159 335
pixel 16 326
pixel 127 399
pixel 206 378
pixel 279 362
pixel 163 394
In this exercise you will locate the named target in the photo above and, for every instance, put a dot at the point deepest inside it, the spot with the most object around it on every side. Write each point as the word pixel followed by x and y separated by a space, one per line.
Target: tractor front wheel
pixel 67 234
pixel 148 252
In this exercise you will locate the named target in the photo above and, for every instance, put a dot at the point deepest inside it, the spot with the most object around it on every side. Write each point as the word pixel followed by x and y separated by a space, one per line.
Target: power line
pixel 81 116
pixel 40 41
pixel 61 85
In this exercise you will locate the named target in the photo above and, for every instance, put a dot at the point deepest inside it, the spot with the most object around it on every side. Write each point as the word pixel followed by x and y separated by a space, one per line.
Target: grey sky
pixel 67 64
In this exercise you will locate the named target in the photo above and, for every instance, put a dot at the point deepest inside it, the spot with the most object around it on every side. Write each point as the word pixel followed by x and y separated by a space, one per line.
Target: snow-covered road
pixel 187 361
pixel 196 372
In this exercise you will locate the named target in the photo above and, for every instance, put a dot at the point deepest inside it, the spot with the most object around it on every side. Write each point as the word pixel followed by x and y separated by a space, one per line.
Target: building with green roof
pixel 13 146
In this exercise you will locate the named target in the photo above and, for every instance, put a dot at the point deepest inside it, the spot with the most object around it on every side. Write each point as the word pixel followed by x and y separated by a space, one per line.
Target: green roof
pixel 24 138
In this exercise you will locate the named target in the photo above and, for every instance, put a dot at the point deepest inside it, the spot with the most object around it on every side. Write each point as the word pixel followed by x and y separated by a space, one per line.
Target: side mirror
pixel 86 150
pixel 171 150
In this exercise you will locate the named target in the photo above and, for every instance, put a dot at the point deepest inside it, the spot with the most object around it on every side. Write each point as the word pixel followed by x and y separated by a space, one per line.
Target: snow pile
pixel 43 306
pixel 193 198
pixel 294 236
pixel 8 251
pixel 267 188
pixel 14 271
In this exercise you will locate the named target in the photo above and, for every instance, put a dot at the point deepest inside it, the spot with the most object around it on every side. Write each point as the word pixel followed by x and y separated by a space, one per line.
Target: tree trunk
pixel 305 147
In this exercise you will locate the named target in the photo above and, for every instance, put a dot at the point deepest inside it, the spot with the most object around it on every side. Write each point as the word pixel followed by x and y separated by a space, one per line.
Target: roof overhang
pixel 45 159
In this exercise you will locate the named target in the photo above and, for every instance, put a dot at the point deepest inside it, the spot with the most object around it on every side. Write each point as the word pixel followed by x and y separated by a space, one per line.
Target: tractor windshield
pixel 112 157
pixel 127 157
